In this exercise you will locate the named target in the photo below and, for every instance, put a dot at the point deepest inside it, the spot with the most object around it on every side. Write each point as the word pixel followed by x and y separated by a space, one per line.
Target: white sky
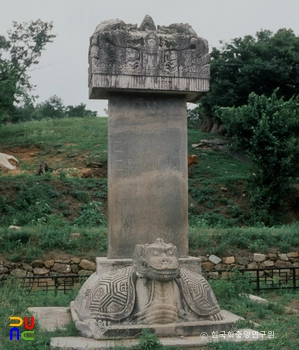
pixel 63 66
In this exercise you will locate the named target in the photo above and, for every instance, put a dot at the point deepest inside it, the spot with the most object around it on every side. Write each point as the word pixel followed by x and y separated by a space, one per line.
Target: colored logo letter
pixel 24 337
pixel 17 318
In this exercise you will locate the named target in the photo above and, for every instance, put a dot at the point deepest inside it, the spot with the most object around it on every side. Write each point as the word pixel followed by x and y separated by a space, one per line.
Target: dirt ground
pixel 30 159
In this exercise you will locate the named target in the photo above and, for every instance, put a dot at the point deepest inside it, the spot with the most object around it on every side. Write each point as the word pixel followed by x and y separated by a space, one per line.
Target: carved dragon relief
pixel 152 291
pixel 173 51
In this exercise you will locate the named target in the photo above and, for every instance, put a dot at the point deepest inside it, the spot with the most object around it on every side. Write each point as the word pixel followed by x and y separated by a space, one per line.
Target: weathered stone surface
pixel 283 257
pixel 18 273
pixel 176 339
pixel 40 271
pixel 272 256
pixel 75 260
pixel 159 59
pixel 63 261
pixel 252 265
pixel 293 255
pixel 242 260
pixel 214 259
pixel 107 265
pixel 27 267
pixel 6 161
pixel 74 268
pixel 149 292
pixel 3 269
pixel 280 263
pixel 49 263
pixel 212 274
pixel 87 265
pixel 147 131
pixel 268 263
pixel 207 266
pixel 219 267
pixel 61 268
pixel 12 227
pixel 203 258
pixel 10 265
pixel 191 263
pixel 257 257
pixel 147 187
pixel 37 263
pixel 51 318
pixel 229 260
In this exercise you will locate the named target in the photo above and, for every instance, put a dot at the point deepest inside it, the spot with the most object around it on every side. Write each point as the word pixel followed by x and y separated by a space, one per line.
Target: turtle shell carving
pixel 112 297
pixel 153 290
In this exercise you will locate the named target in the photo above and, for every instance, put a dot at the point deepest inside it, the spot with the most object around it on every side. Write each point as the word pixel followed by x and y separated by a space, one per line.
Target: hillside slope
pixel 75 151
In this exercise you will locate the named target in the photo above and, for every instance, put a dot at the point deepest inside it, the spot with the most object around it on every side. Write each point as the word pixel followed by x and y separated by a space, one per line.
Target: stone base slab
pixel 104 265
pixel 191 343
pixel 192 328
pixel 51 318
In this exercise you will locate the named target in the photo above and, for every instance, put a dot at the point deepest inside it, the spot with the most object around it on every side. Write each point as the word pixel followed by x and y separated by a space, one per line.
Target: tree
pixel 80 111
pixel 267 129
pixel 51 108
pixel 19 52
pixel 257 64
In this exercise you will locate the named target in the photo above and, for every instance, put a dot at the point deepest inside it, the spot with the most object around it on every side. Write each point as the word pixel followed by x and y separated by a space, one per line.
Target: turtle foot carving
pixel 217 317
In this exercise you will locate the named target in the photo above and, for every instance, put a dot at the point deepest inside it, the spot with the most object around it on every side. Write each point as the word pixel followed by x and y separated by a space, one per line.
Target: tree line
pixel 20 51
pixel 51 108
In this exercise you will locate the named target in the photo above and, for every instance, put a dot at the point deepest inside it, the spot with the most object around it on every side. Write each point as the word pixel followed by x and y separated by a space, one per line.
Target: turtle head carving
pixel 157 261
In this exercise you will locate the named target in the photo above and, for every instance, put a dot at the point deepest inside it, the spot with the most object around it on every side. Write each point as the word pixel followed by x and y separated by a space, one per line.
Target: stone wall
pixel 211 264
pixel 72 266
pixel 81 266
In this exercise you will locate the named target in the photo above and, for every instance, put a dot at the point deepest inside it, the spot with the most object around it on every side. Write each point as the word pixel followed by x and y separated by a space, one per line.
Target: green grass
pixel 14 302
pixel 68 136
pixel 215 167
pixel 32 242
pixel 262 317
pixel 270 317
pixel 33 200
pixel 218 196
pixel 49 208
pixel 74 142
pixel 206 240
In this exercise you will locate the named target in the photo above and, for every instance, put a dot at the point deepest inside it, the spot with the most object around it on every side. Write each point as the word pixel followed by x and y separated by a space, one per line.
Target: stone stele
pixel 148 74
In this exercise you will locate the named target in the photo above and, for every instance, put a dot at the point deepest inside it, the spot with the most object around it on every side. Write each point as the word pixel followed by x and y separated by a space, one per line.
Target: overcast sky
pixel 63 66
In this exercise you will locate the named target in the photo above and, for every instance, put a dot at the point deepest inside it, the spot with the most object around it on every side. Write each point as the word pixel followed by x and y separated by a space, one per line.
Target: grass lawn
pixel 271 317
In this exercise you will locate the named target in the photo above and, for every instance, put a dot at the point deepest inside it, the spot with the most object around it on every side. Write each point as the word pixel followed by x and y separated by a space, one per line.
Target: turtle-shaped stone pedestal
pixel 153 291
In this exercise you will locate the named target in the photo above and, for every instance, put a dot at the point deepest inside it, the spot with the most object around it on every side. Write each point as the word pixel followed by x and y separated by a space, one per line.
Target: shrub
pixel 267 129
pixel 91 215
